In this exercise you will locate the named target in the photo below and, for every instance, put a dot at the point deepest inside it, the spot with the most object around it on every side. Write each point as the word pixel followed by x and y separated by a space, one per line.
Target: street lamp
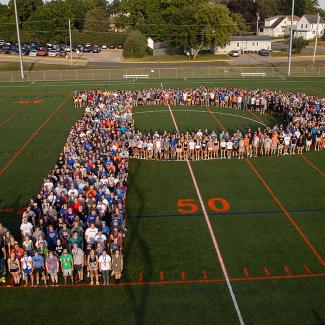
pixel 291 35
pixel 19 46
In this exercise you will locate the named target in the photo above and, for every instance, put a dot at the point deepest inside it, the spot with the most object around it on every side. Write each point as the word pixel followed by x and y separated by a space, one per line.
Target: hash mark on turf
pixel 307 269
pixel 245 271
pixel 266 271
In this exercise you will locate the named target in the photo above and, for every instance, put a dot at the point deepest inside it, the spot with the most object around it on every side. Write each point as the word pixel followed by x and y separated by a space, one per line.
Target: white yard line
pixel 213 237
pixel 199 111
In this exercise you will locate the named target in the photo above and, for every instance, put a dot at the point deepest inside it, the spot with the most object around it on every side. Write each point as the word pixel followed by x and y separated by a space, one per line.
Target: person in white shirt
pixel 104 262
pixel 229 149
pixel 26 228
pixel 27 268
pixel 90 233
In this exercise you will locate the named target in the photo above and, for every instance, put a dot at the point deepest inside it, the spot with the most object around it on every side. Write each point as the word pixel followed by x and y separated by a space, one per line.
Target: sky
pixel 321 3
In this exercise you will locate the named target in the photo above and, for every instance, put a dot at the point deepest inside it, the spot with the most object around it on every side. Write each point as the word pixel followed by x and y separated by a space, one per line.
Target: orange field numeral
pixel 189 206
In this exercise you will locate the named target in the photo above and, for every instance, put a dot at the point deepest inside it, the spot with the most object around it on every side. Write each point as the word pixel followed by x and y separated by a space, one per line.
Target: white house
pixel 307 26
pixel 278 26
pixel 242 44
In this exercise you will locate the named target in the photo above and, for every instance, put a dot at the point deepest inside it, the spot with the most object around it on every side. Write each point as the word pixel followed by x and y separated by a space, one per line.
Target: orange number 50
pixel 187 206
pixel 216 204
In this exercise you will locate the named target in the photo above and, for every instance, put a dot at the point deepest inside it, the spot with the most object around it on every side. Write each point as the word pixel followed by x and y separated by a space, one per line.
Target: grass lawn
pixel 271 238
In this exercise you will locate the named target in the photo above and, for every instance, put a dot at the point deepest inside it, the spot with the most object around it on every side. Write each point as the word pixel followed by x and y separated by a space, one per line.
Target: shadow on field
pixel 11 220
pixel 139 302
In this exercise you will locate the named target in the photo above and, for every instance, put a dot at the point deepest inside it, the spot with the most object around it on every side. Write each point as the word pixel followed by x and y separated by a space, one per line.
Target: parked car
pixel 4 50
pixel 96 49
pixel 53 53
pixel 33 53
pixel 263 52
pixel 63 53
pixel 2 42
pixel 120 46
pixel 87 49
pixel 234 53
pixel 24 51
pixel 42 51
pixel 112 47
pixel 14 51
pixel 104 46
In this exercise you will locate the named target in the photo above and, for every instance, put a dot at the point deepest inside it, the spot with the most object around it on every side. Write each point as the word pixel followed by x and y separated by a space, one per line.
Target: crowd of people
pixel 76 225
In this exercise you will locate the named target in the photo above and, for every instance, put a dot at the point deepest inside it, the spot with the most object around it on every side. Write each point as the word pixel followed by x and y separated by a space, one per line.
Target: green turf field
pixel 272 236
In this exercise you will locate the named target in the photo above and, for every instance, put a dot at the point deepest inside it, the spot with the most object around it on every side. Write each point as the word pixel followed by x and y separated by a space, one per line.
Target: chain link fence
pixel 160 73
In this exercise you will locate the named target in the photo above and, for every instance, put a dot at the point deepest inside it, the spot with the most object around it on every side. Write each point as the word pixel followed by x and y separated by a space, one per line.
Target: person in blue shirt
pixel 38 268
pixel 52 236
pixel 91 217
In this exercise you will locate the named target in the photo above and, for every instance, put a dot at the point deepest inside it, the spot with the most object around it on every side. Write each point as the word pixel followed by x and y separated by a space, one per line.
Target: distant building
pixel 243 44
pixel 278 26
pixel 307 26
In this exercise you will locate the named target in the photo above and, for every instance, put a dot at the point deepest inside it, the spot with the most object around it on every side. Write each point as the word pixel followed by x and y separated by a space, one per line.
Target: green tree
pixel 135 45
pixel 96 20
pixel 79 11
pixel 241 23
pixel 50 21
pixel 25 8
pixel 298 44
pixel 198 26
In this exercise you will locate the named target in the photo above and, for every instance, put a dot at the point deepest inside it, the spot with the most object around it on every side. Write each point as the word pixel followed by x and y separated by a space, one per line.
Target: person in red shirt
pixel 18 251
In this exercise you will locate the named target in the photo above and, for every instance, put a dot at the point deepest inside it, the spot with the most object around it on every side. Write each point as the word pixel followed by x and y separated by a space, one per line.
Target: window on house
pixel 253 44
pixel 302 26
pixel 314 32
pixel 237 44
pixel 256 43
pixel 306 25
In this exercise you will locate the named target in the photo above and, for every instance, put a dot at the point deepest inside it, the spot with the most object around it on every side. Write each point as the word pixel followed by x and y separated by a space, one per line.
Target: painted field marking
pixel 17 112
pixel 287 214
pixel 213 237
pixel 9 163
pixel 266 271
pixel 204 275
pixel 307 269
pixel 287 270
pixel 161 276
pixel 188 206
pixel 200 111
pixel 312 165
pixel 256 116
pixel 245 271
pixel 177 282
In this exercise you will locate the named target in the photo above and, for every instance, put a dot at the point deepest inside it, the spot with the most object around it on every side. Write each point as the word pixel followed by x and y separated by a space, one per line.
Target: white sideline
pixel 213 237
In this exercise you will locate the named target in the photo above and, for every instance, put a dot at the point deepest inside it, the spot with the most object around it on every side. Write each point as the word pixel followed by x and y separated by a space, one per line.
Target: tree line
pixel 187 23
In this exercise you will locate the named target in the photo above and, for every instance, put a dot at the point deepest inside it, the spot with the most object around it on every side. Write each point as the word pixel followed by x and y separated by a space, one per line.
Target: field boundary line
pixel 34 134
pixel 287 214
pixel 213 237
pixel 312 165
pixel 2 124
pixel 177 282
pixel 256 116
pixel 217 120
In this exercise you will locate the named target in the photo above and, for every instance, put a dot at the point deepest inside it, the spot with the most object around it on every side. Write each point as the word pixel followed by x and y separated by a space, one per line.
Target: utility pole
pixel 316 40
pixel 19 46
pixel 291 35
pixel 70 41
pixel 257 20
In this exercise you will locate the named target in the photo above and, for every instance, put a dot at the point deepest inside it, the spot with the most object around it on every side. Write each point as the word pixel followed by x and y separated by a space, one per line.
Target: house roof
pixel 239 38
pixel 312 19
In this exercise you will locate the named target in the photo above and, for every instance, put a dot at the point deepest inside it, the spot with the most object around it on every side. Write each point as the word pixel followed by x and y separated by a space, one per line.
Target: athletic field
pixel 208 242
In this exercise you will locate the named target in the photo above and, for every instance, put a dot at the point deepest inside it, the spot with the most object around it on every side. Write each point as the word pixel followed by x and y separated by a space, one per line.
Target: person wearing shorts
pixel 27 268
pixel 92 262
pixel 78 260
pixel 38 268
pixel 66 265
pixel 52 267
pixel 223 145
pixel 14 268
